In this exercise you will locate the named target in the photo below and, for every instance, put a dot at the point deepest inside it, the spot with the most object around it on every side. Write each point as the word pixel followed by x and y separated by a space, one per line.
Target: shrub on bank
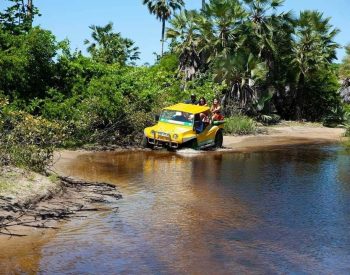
pixel 27 141
pixel 240 125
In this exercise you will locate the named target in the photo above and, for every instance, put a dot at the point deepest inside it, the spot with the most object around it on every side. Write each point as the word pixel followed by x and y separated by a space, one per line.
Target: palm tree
pixel 314 49
pixel 110 47
pixel 344 70
pixel 221 26
pixel 186 40
pixel 200 38
pixel 270 30
pixel 240 72
pixel 30 9
pixel 163 9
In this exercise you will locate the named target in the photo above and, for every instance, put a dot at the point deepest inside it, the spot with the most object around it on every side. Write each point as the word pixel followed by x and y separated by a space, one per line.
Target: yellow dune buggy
pixel 181 125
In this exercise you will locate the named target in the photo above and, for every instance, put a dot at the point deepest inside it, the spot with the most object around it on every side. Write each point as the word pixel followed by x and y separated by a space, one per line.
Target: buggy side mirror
pixel 156 118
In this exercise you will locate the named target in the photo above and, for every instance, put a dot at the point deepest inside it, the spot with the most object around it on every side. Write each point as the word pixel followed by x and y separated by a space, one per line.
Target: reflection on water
pixel 277 211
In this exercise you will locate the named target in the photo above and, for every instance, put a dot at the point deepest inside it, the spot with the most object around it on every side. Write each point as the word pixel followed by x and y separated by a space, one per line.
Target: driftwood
pixel 76 196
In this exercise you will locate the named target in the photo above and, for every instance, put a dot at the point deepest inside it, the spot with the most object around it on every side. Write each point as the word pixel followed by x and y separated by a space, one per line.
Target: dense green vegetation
pixel 258 52
pixel 261 62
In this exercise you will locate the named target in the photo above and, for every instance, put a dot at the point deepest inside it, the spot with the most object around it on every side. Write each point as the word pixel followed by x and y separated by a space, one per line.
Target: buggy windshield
pixel 177 117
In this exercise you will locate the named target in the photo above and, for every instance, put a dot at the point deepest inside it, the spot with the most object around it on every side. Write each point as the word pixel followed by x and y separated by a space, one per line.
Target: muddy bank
pixel 24 209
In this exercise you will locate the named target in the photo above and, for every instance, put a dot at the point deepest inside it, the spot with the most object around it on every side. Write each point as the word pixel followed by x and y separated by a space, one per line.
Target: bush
pixel 28 141
pixel 240 125
pixel 269 119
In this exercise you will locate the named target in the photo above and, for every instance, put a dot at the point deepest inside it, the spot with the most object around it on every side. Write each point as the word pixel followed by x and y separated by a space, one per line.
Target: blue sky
pixel 71 18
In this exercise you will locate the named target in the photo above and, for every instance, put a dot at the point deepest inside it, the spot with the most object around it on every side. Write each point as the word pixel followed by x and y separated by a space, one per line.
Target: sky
pixel 71 19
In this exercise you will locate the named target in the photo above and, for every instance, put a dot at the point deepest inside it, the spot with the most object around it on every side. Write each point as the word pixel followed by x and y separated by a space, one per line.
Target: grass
pixel 240 125
pixel 24 185
pixel 5 186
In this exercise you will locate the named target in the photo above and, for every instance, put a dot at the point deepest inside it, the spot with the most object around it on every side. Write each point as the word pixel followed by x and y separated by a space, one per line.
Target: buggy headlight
pixel 153 132
pixel 175 136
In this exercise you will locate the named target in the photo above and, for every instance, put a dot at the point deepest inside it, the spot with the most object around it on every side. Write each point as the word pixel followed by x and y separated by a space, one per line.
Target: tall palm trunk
pixel 300 98
pixel 30 8
pixel 163 35
pixel 29 12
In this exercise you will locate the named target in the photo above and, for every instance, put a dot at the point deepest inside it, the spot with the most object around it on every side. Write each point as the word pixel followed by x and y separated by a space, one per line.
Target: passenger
pixel 216 110
pixel 203 116
pixel 199 125
pixel 193 100
pixel 202 102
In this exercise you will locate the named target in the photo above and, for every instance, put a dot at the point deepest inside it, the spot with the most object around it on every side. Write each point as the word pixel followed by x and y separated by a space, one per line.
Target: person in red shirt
pixel 216 110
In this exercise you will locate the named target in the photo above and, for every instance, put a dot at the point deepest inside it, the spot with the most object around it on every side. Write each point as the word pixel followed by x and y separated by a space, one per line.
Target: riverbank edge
pixel 37 202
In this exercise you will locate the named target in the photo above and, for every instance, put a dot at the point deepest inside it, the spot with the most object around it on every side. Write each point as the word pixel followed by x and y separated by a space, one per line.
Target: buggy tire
pixel 192 144
pixel 146 144
pixel 219 138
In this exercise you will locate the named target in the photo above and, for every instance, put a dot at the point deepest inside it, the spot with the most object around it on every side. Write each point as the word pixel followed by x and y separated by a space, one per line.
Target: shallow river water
pixel 284 210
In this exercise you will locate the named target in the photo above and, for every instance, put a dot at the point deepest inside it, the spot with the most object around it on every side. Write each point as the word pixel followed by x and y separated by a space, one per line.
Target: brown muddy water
pixel 283 210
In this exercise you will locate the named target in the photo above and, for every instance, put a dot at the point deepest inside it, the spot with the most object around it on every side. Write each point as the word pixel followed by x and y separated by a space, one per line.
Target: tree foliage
pixel 257 51
pixel 163 10
pixel 18 16
pixel 110 47
pixel 27 63
pixel 344 69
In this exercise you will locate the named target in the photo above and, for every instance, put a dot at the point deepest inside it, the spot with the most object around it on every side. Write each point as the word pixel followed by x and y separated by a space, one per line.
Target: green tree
pixel 314 50
pixel 163 10
pixel 27 63
pixel 110 47
pixel 344 73
pixel 221 27
pixel 200 38
pixel 271 34
pixel 344 70
pixel 18 17
pixel 186 40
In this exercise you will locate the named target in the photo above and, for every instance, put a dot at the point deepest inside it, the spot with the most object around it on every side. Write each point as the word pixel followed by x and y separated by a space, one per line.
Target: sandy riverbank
pixel 285 136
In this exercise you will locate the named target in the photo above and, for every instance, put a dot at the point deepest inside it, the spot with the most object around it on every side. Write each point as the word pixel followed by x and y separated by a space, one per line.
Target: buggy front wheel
pixel 219 138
